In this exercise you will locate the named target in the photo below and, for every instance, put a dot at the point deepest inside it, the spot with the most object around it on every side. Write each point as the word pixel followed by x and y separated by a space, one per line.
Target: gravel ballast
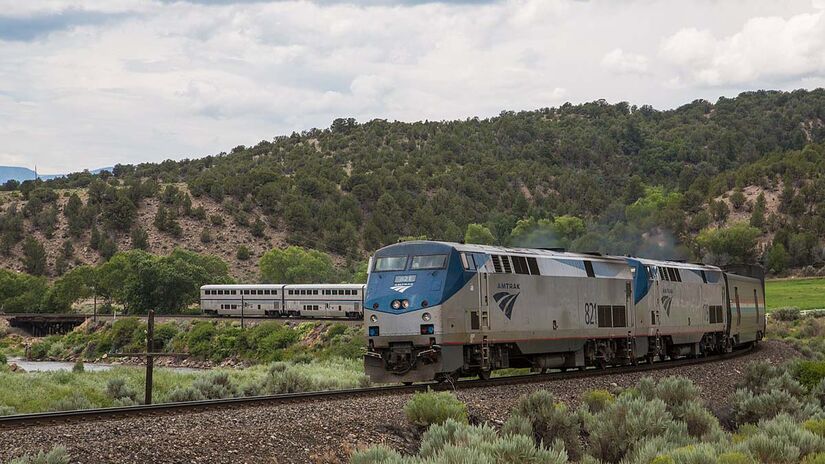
pixel 326 430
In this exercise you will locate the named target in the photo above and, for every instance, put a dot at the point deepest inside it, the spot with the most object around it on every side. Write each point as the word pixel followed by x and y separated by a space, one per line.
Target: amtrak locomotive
pixel 436 310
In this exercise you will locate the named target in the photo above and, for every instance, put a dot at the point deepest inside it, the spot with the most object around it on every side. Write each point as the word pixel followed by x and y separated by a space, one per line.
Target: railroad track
pixel 58 316
pixel 62 417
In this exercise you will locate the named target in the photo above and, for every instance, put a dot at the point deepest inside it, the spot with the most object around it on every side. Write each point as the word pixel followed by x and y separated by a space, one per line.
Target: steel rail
pixel 62 417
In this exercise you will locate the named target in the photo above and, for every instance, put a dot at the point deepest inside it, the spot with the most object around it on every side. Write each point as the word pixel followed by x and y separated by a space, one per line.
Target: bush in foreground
pixel 550 421
pixel 457 442
pixel 57 455
pixel 435 408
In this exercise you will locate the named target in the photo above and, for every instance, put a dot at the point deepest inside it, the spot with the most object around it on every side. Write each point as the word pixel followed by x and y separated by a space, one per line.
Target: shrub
pixel 816 426
pixel 818 458
pixel 123 331
pixel 78 367
pixel 243 253
pixel 216 385
pixel 758 374
pixel 674 391
pixel 116 389
pixel 74 402
pixel 335 330
pixel 782 440
pixel 206 236
pixel 286 381
pixel 124 402
pixel 378 454
pixel 734 457
pixel 435 408
pixel 809 373
pixel 3 359
pixel 690 454
pixel 597 400
pixel 700 422
pixel 39 350
pixel 7 410
pixel 767 450
pixel 56 350
pixel 626 422
pixel 57 455
pixel 199 339
pixel 179 395
pixel 787 383
pixel 457 442
pixel 164 333
pixel 517 425
pixel 550 420
pixel 750 408
pixel 786 314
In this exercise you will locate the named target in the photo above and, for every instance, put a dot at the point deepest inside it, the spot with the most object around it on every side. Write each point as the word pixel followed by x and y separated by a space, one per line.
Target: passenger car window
pixel 390 263
pixel 429 262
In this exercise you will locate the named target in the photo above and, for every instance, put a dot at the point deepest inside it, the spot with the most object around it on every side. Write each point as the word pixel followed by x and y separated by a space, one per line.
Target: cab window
pixel 390 263
pixel 429 262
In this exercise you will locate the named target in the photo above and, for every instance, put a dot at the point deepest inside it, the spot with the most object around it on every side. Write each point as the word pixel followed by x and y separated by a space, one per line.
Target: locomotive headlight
pixel 373 318
pixel 405 304
pixel 426 316
pixel 396 304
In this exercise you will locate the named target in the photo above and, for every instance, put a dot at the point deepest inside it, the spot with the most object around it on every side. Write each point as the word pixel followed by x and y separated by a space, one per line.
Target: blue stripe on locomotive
pixel 431 285
pixel 641 280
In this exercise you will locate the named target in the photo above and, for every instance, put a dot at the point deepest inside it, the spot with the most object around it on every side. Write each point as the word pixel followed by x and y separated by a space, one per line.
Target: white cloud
pixel 175 79
pixel 765 50
pixel 625 63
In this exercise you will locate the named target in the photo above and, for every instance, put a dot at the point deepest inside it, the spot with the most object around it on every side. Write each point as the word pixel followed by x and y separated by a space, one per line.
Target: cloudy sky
pixel 90 83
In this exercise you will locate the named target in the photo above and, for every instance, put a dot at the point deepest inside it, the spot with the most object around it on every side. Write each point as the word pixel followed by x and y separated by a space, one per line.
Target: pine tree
pixel 34 257
pixel 758 214
pixel 258 228
pixel 140 239
pixel 161 219
pixel 94 238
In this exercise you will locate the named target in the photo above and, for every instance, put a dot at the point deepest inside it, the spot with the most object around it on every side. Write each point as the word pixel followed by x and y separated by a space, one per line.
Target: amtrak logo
pixel 666 302
pixel 506 301
pixel 400 288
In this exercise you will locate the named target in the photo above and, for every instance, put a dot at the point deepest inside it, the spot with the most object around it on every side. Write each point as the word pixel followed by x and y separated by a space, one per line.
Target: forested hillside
pixel 736 180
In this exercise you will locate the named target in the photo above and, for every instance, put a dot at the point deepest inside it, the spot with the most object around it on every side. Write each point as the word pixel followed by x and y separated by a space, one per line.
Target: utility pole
pixel 150 360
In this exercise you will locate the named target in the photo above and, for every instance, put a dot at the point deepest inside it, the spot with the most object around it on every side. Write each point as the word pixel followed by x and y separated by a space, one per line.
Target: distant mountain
pixel 19 174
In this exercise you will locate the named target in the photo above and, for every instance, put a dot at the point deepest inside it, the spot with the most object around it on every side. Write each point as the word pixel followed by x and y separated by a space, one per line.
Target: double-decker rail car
pixel 324 300
pixel 249 300
pixel 437 310
pixel 298 300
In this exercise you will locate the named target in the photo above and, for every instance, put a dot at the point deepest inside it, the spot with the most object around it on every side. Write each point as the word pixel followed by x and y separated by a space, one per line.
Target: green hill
pixel 740 179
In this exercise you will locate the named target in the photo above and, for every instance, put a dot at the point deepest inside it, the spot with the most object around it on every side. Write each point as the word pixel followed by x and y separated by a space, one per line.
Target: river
pixel 51 366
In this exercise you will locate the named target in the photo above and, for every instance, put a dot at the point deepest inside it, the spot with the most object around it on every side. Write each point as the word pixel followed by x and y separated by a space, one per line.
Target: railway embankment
pixel 199 343
pixel 329 430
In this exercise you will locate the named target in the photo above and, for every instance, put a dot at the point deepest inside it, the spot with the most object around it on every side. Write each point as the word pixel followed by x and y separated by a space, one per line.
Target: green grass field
pixel 802 293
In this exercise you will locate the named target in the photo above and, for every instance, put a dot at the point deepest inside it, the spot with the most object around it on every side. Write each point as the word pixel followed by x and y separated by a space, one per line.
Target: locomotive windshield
pixel 390 263
pixel 429 262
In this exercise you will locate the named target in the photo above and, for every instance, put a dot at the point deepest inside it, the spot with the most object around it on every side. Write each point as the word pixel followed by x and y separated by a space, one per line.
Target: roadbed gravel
pixel 327 431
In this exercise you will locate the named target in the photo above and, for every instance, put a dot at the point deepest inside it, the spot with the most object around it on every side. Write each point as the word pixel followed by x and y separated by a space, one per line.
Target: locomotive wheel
pixel 601 364
pixel 407 384
pixel 484 375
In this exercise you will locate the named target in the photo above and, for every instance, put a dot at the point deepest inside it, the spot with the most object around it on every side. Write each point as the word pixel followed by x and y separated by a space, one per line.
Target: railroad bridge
pixel 45 324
